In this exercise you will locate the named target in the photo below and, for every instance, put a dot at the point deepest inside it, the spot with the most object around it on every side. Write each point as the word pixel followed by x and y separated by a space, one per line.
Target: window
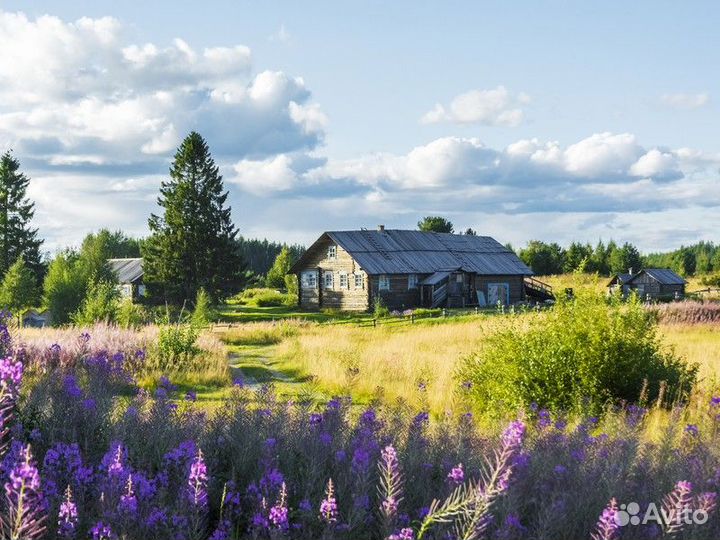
pixel 359 281
pixel 309 279
pixel 412 281
pixel 344 280
pixel 384 283
pixel 332 252
pixel 328 280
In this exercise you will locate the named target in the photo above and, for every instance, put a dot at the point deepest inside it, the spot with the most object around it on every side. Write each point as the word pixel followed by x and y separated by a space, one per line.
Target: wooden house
pixel 350 270
pixel 129 273
pixel 650 284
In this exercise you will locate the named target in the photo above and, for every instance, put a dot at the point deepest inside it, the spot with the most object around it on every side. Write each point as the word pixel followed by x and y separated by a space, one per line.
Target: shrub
pixel 203 312
pixel 261 297
pixel 100 304
pixel 711 280
pixel 582 353
pixel 176 348
pixel 380 310
pixel 132 315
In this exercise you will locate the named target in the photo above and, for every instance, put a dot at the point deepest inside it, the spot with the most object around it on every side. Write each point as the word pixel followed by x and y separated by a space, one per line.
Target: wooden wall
pixel 348 299
pixel 398 296
pixel 517 286
pixel 656 289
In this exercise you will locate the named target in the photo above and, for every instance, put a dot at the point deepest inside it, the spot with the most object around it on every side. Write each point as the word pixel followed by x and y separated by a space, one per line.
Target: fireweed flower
pixel 101 531
pixel 67 516
pixel 707 501
pixel 328 506
pixel 11 373
pixel 278 515
pixel 390 482
pixel 404 534
pixel 675 505
pixel 128 504
pixel 26 507
pixel 608 525
pixel 456 474
pixel 692 430
pixel 197 482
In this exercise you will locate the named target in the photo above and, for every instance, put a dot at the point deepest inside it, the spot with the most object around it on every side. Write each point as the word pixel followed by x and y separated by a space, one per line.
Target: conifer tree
pixel 17 237
pixel 192 243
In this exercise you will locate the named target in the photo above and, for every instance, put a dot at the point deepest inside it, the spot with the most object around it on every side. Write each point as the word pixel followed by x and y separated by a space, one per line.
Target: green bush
pixel 261 297
pixel 132 315
pixel 427 312
pixel 203 313
pixel 100 305
pixel 581 354
pixel 176 348
pixel 380 310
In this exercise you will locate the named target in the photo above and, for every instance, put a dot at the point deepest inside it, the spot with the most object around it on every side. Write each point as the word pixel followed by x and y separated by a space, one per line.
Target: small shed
pixel 651 284
pixel 36 318
pixel 130 274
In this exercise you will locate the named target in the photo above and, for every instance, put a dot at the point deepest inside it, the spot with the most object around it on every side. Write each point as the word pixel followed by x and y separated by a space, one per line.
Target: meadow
pixel 291 428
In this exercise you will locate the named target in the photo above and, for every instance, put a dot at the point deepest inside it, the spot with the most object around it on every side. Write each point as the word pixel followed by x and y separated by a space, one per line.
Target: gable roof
pixel 416 252
pixel 620 278
pixel 664 276
pixel 127 270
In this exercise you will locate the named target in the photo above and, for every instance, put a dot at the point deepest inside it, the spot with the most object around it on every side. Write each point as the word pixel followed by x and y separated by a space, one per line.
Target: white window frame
pixel 332 252
pixel 309 279
pixel 328 280
pixel 383 282
pixel 413 281
pixel 359 281
pixel 343 277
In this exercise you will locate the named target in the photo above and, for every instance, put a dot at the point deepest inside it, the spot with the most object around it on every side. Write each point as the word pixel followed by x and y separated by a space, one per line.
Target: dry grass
pixel 214 369
pixel 392 361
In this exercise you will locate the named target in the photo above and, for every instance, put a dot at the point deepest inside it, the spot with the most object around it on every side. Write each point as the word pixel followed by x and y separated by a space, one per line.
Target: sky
pixel 559 121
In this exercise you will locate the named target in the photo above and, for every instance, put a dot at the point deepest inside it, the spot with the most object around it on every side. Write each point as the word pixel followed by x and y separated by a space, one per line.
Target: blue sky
pixel 553 120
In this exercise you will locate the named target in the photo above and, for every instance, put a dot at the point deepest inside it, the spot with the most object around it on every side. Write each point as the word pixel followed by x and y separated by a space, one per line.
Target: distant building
pixel 350 270
pixel 129 273
pixel 650 284
pixel 36 318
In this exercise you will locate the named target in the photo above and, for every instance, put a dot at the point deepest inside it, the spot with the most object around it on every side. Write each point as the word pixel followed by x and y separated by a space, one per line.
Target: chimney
pixel 381 227
pixel 630 270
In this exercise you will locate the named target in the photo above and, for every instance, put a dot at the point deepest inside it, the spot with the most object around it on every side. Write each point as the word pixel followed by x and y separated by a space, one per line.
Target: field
pixel 289 425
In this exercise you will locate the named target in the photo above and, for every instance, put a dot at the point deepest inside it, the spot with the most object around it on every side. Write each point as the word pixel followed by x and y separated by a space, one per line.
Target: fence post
pixel 374 322
pixel 477 310
pixel 444 312
pixel 412 318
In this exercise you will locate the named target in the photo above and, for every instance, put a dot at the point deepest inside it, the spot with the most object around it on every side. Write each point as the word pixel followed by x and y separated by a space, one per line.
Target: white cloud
pixel 685 101
pixel 83 89
pixel 265 176
pixel 496 107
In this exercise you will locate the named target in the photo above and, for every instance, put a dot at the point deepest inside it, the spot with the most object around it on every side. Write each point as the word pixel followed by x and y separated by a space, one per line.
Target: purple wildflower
pixel 11 373
pixel 692 430
pixel 26 504
pixel 278 515
pixel 190 396
pixel 128 501
pixel 328 506
pixel 67 516
pixel 676 504
pixel 512 437
pixel 101 531
pixel 404 534
pixel 197 482
pixel 608 525
pixel 457 474
pixel 707 501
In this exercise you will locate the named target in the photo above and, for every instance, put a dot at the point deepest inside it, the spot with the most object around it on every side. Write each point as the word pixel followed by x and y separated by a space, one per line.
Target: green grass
pixel 236 313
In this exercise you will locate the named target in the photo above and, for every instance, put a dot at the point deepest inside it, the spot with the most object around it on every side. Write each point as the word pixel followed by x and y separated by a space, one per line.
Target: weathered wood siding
pixel 398 296
pixel 349 298
pixel 646 285
pixel 516 284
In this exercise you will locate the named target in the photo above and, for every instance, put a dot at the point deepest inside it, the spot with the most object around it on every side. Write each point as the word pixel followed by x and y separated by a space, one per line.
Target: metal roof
pixel 621 278
pixel 127 270
pixel 435 278
pixel 392 251
pixel 662 275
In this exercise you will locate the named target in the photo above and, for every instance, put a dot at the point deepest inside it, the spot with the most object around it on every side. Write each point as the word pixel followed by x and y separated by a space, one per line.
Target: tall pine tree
pixel 17 237
pixel 192 244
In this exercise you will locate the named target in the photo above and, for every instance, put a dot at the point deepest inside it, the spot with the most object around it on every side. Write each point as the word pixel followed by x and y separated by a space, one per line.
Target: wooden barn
pixel 349 270
pixel 129 274
pixel 650 284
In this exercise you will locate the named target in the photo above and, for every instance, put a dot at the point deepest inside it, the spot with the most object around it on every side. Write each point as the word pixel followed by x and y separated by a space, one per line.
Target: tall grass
pixel 67 346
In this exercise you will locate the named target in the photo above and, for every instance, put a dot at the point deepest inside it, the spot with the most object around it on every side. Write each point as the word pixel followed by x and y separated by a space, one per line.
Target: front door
pixel 498 293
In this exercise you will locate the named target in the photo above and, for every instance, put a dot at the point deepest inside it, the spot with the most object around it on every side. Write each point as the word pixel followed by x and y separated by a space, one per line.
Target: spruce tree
pixel 17 237
pixel 192 244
